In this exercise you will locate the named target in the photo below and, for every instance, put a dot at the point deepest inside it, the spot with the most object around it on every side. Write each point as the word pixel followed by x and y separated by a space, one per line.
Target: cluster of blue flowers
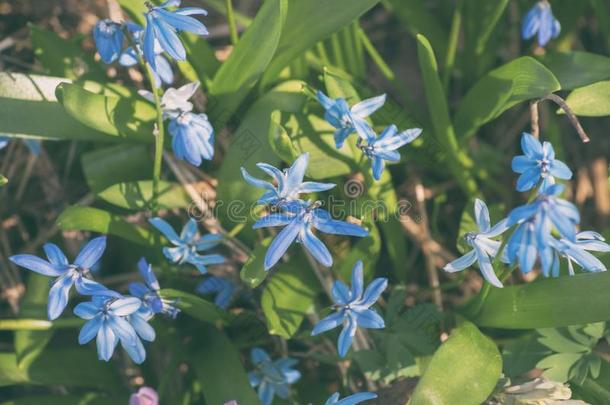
pixel 348 120
pixel 192 134
pixel 534 224
pixel 111 317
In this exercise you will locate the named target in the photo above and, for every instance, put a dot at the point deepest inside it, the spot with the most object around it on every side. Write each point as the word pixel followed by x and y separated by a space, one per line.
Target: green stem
pixel 232 23
pixel 454 35
pixel 39 324
pixel 159 134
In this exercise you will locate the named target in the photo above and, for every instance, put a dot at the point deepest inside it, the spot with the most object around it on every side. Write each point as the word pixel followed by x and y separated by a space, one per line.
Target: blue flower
pixel 162 26
pixel 538 162
pixel 193 137
pixel 106 319
pixel 348 120
pixel 221 286
pixel 67 274
pixel 298 221
pixel 351 400
pixel 540 20
pixel 108 37
pixel 535 222
pixel 484 247
pixel 174 101
pixel 130 57
pixel 353 308
pixel 272 377
pixel 289 182
pixel 148 292
pixel 382 148
pixel 189 244
pixel 578 251
pixel 32 144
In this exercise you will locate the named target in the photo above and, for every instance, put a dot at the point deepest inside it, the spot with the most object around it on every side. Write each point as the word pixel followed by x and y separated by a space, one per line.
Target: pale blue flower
pixel 353 308
pixel 223 288
pixel 162 71
pixel 578 251
pixel 162 26
pixel 348 120
pixel 538 163
pixel 289 182
pixel 272 377
pixel 188 245
pixel 67 274
pixel 108 37
pixel 540 20
pixel 484 248
pixel 107 320
pixel 535 222
pixel 148 292
pixel 351 400
pixel 299 221
pixel 382 148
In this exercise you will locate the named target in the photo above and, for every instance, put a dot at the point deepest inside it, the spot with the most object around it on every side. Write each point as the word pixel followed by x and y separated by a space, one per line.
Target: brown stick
pixel 570 114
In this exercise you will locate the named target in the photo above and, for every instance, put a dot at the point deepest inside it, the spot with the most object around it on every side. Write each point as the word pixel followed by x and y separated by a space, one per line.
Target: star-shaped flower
pixel 578 251
pixel 67 274
pixel 221 286
pixel 289 182
pixel 382 148
pixel 348 120
pixel 540 20
pixel 538 163
pixel 353 308
pixel 148 292
pixel 108 37
pixel 484 247
pixel 272 377
pixel 188 245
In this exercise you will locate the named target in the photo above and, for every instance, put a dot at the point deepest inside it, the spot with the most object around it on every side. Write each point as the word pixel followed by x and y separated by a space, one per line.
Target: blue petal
pixel 369 319
pixel 189 231
pixel 560 170
pixel 378 166
pixel 183 22
pixel 316 248
pixel 106 342
pixel 481 215
pixel 324 224
pixel 528 179
pixel 486 268
pixel 208 241
pixel 461 263
pixel 314 187
pixel 256 182
pixel 324 100
pixel 330 322
pixel 522 163
pixel 136 351
pixel 91 253
pixel 341 135
pixel 259 356
pixel 357 280
pixel 149 43
pixel 85 286
pixel 281 243
pixel 266 393
pixel 367 107
pixel 341 294
pixel 531 146
pixel 122 329
pixel 373 291
pixel 297 172
pixel 86 310
pixel 125 306
pixel 395 142
pixel 168 39
pixel 147 274
pixel 138 289
pixel 55 255
pixel 346 336
pixel 89 330
pixel 58 296
pixel 166 229
pixel 531 23
pixel 37 265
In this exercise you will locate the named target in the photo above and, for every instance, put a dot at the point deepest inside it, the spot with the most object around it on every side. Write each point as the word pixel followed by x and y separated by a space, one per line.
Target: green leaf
pixel 464 370
pixel 84 399
pixel 590 101
pixel 253 272
pixel 63 58
pixel 288 297
pixel 196 307
pixel 520 80
pixel 545 303
pixel 220 371
pixel 595 390
pixel 125 119
pixel 106 166
pixel 577 69
pixel 247 62
pixel 96 220
pixel 310 21
pixel 457 158
pixel 137 195
pixel 3 180
pixel 521 355
pixel 30 344
pixel 29 108
pixel 61 367
pixel 557 366
pixel 557 342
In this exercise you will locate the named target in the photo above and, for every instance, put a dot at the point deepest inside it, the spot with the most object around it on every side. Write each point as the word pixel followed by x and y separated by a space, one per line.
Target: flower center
pixel 544 166
pixel 470 237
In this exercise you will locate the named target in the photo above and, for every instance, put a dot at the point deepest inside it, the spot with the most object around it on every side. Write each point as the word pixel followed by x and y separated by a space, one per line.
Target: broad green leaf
pixel 29 344
pixel 520 80
pixel 196 307
pixel 590 101
pixel 310 21
pixel 253 272
pixel 521 355
pixel 457 159
pixel 106 166
pixel 464 370
pixel 137 195
pixel 545 303
pixel 84 399
pixel 29 109
pixel 557 342
pixel 73 367
pixel 577 69
pixel 595 390
pixel 247 62
pixel 417 19
pixel 288 297
pixel 249 145
pixel 125 119
pixel 96 220
pixel 220 371
pixel 63 58
pixel 557 366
